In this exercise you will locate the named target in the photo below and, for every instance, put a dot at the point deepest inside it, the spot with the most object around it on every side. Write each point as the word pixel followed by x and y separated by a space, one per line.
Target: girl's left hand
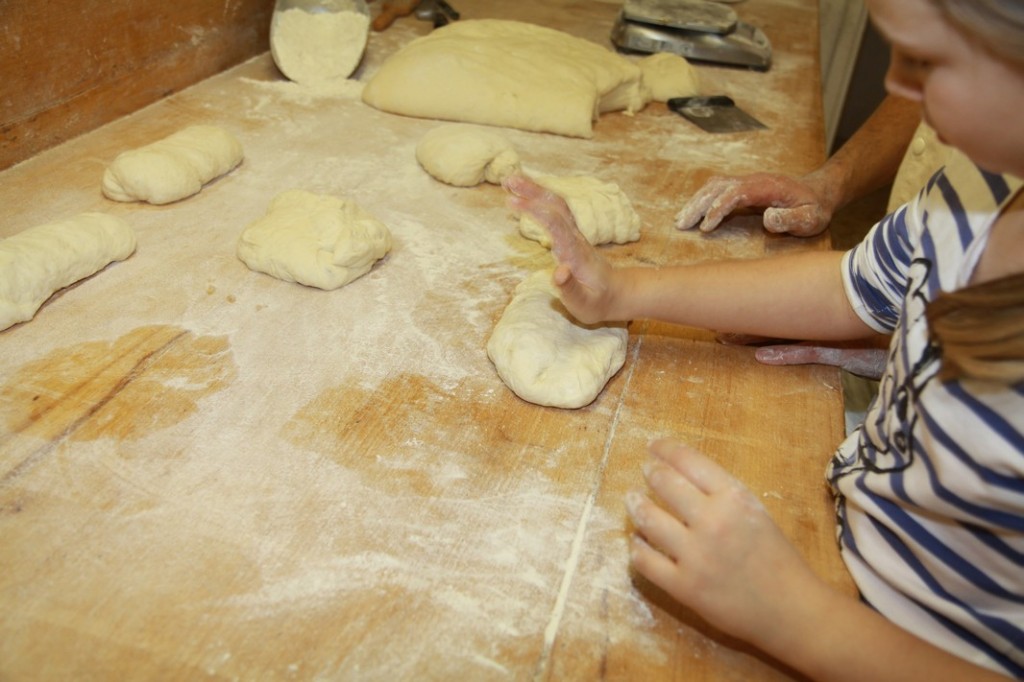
pixel 713 547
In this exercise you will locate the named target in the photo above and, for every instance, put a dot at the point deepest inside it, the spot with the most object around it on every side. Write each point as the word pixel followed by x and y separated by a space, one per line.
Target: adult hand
pixel 797 206
pixel 864 362
pixel 713 547
pixel 582 276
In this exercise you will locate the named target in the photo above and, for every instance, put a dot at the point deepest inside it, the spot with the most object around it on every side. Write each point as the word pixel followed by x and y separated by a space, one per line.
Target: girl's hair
pixel 980 331
pixel 998 24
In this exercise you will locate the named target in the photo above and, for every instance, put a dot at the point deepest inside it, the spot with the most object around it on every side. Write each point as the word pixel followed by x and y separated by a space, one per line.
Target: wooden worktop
pixel 207 472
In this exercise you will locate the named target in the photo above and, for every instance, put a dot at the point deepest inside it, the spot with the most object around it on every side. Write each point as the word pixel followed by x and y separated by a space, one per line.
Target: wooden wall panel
pixel 67 67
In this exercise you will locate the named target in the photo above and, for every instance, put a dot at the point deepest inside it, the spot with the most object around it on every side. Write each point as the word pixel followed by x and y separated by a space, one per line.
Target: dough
pixel 507 73
pixel 547 357
pixel 172 168
pixel 602 211
pixel 668 75
pixel 318 48
pixel 464 155
pixel 317 240
pixel 42 259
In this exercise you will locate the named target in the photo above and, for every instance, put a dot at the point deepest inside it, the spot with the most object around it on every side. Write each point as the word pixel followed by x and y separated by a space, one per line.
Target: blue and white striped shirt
pixel 930 489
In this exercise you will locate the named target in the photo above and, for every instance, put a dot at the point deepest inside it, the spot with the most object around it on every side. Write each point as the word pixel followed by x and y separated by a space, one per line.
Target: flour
pixel 318 48
pixel 304 94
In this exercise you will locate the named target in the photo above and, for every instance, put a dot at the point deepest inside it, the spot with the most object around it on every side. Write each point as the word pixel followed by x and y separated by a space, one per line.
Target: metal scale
pixel 702 31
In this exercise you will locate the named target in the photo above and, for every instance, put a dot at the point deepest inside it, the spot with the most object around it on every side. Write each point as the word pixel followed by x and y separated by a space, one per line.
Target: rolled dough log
pixel 317 240
pixel 545 356
pixel 507 73
pixel 43 259
pixel 172 168
pixel 465 155
pixel 602 211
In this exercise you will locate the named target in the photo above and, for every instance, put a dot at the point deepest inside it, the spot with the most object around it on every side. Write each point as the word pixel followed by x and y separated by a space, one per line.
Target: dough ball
pixel 43 259
pixel 317 240
pixel 668 75
pixel 172 168
pixel 602 211
pixel 464 156
pixel 548 358
pixel 507 73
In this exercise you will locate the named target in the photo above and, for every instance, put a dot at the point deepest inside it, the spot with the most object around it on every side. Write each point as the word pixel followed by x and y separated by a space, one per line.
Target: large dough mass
pixel 43 259
pixel 507 73
pixel 545 356
pixel 668 75
pixel 602 210
pixel 317 240
pixel 172 168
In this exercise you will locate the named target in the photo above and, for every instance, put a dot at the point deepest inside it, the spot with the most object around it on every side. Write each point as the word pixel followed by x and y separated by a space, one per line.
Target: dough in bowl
pixel 507 73
pixel 317 240
pixel 548 358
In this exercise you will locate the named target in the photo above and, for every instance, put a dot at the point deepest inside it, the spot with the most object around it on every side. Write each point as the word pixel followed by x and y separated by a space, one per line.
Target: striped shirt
pixel 930 489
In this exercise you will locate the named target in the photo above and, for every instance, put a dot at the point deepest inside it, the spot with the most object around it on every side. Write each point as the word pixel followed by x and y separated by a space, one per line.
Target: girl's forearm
pixel 799 296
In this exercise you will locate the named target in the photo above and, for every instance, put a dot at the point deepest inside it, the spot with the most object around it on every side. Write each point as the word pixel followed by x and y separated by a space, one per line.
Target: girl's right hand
pixel 583 277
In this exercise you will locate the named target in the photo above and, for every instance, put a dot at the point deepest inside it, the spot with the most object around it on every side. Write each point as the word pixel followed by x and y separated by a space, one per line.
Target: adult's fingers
pixel 865 362
pixel 691 213
pixel 800 221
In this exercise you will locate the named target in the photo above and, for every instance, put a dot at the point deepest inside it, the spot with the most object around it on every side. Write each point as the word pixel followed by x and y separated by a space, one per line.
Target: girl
pixel 930 490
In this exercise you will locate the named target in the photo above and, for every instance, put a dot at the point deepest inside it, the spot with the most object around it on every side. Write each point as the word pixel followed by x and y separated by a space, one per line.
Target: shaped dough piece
pixel 43 259
pixel 668 75
pixel 464 155
pixel 317 240
pixel 172 168
pixel 602 211
pixel 545 356
pixel 507 73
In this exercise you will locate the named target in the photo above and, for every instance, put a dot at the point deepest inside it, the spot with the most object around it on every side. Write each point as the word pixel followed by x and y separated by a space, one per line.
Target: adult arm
pixel 804 206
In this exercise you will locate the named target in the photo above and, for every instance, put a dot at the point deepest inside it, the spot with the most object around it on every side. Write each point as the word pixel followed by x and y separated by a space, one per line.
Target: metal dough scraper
pixel 694 29
pixel 715 114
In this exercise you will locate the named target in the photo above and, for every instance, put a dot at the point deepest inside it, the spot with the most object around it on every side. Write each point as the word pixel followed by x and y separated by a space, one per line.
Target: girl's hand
pixel 584 279
pixel 712 546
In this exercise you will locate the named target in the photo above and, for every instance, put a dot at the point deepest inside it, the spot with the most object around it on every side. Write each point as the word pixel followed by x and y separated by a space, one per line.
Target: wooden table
pixel 207 472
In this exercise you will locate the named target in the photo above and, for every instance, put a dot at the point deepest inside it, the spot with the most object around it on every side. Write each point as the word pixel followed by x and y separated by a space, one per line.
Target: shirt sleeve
pixel 875 271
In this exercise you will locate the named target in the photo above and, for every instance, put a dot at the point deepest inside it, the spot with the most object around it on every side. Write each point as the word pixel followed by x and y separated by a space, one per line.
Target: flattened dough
pixel 43 259
pixel 507 73
pixel 602 211
pixel 547 357
pixel 668 75
pixel 465 155
pixel 317 240
pixel 172 168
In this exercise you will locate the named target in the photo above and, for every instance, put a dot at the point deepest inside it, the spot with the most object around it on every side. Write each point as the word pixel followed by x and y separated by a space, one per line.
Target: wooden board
pixel 205 471
pixel 68 68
